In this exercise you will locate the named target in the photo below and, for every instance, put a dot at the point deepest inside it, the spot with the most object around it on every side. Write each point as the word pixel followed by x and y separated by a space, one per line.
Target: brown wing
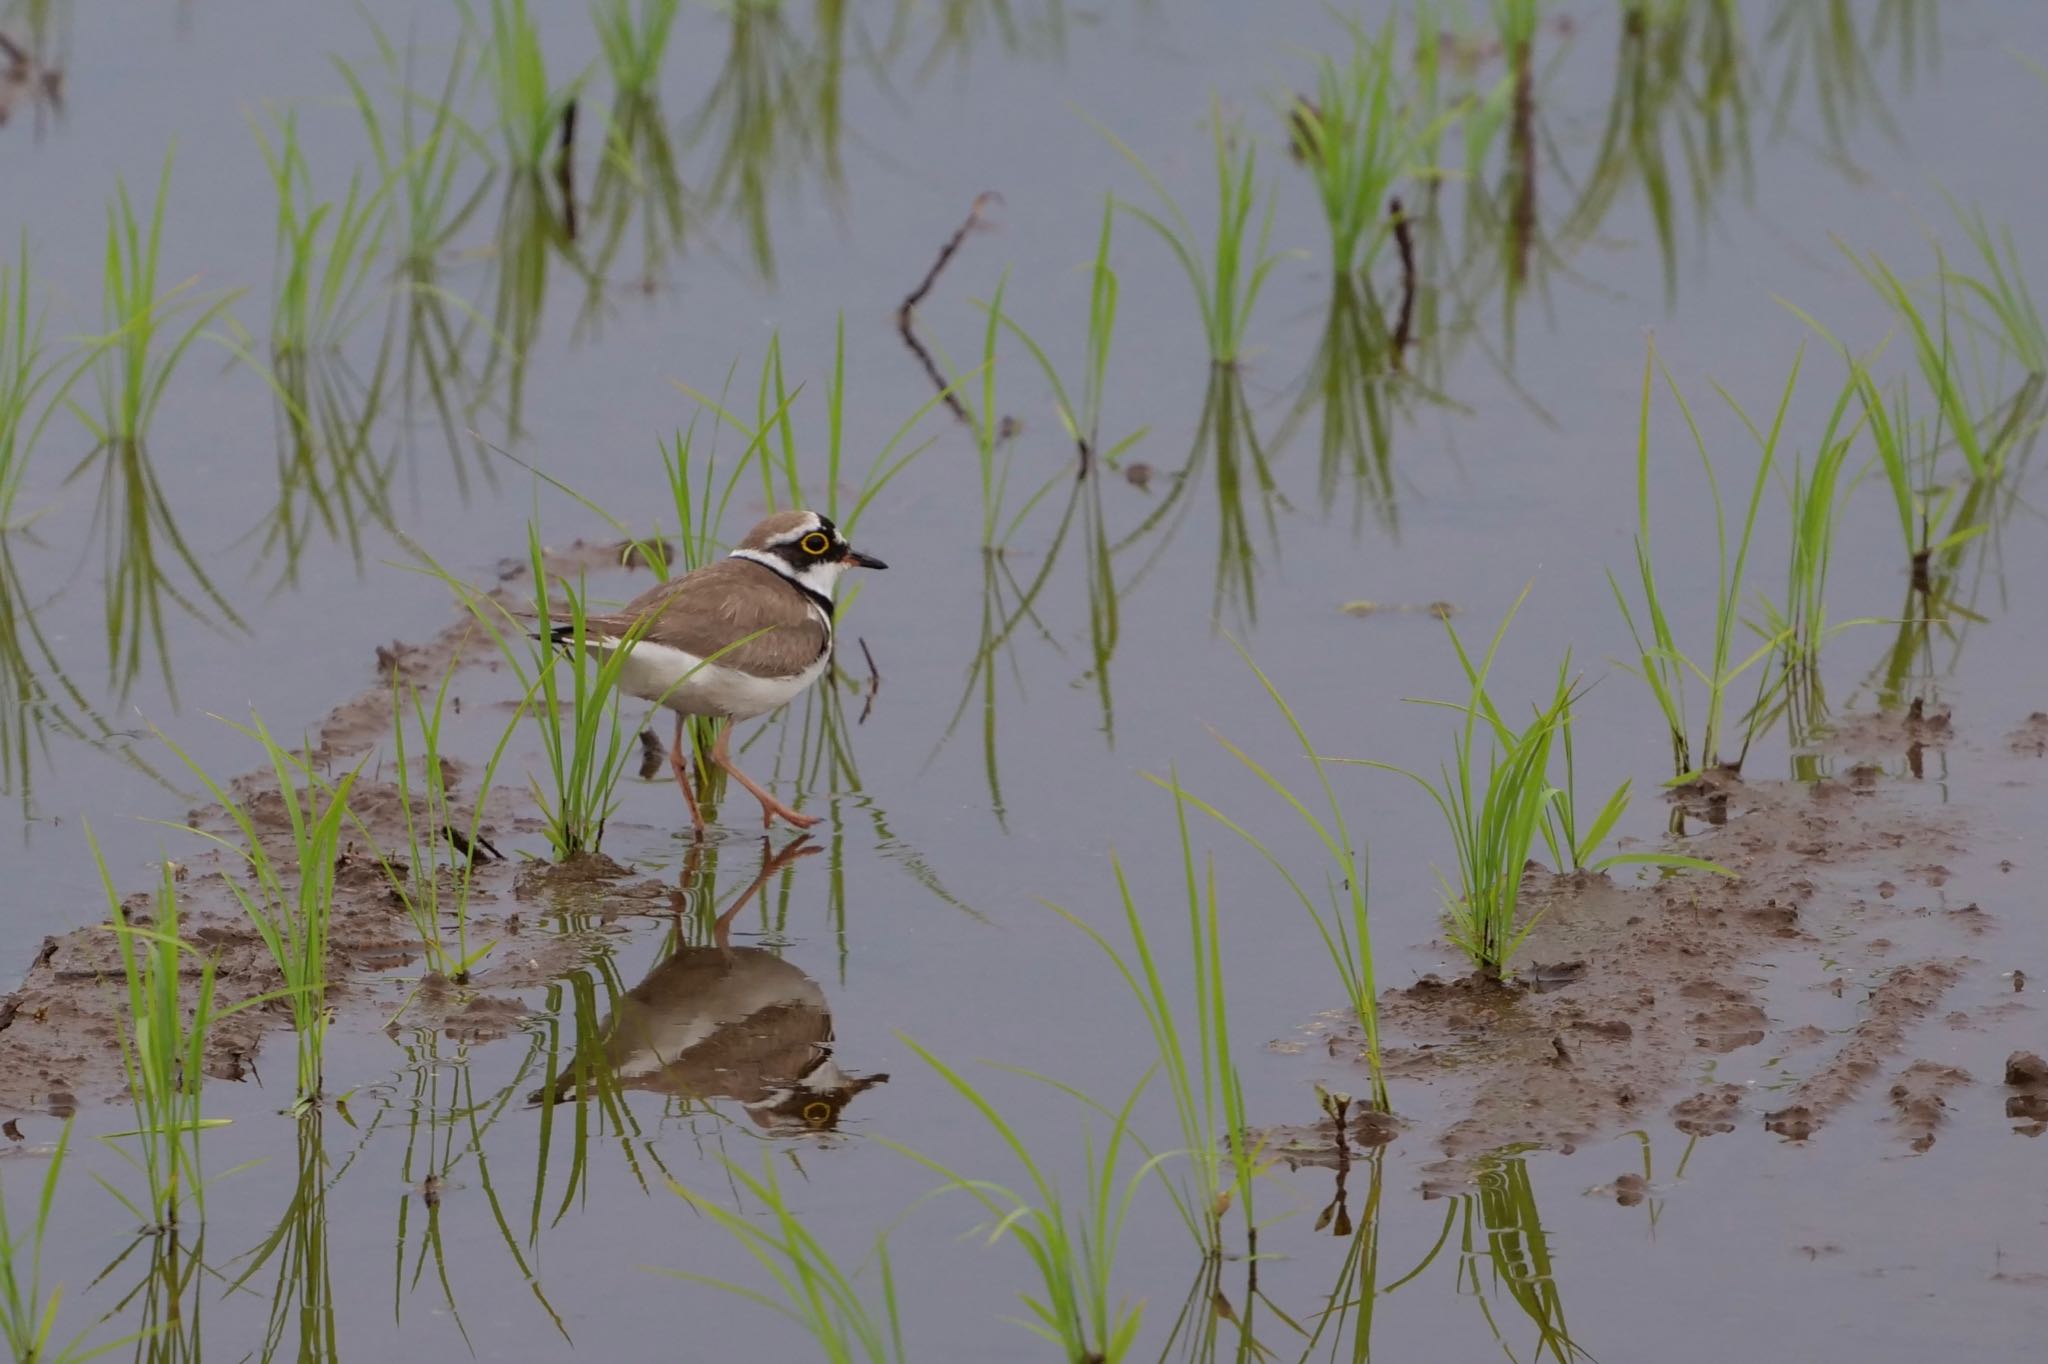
pixel 705 610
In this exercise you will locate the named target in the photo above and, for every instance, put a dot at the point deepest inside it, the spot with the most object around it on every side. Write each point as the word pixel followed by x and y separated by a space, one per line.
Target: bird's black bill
pixel 861 560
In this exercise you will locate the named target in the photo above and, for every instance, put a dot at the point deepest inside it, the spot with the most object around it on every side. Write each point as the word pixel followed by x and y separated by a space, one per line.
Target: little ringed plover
pixel 775 587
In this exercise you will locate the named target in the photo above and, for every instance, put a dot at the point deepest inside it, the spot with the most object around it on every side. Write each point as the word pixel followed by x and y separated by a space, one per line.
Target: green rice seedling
pixel 585 742
pixel 635 46
pixel 1660 663
pixel 1833 45
pixel 813 1289
pixel 1208 1097
pixel 1815 495
pixel 1227 440
pixel 1358 139
pixel 149 329
pixel 325 252
pixel 774 449
pixel 291 906
pixel 1496 814
pixel 1983 427
pixel 1082 418
pixel 1502 1244
pixel 530 109
pixel 303 1307
pixel 2001 291
pixel 1908 454
pixel 772 114
pixel 28 1320
pixel 1678 123
pixel 1346 928
pixel 1239 261
pixel 163 1055
pixel 434 879
pixel 1072 1245
pixel 586 759
pixel 149 332
pixel 424 152
pixel 638 167
pixel 26 371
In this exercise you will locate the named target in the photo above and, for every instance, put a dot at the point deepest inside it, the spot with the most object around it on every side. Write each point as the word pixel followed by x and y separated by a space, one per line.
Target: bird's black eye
pixel 816 543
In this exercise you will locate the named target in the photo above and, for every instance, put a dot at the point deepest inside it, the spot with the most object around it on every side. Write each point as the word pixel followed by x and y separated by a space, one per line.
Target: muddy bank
pixel 1630 992
pixel 60 1029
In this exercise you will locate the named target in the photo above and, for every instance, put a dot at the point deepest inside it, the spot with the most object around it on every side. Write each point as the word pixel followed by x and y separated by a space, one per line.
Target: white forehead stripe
pixel 809 525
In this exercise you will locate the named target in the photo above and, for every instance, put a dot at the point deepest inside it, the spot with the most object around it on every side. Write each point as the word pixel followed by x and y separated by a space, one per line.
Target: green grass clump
pixel 434 879
pixel 1358 139
pixel 815 1290
pixel 1660 662
pixel 290 905
pixel 1238 264
pixel 149 328
pixel 1346 925
pixel 530 110
pixel 28 1320
pixel 1193 1048
pixel 425 155
pixel 1072 1245
pixel 1496 813
pixel 163 1055
pixel 26 369
pixel 325 253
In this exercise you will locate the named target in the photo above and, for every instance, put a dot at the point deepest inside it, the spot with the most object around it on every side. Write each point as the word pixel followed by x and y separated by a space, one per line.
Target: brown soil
pixel 59 1032
pixel 2026 1100
pixel 1905 997
pixel 1645 982
pixel 1919 1100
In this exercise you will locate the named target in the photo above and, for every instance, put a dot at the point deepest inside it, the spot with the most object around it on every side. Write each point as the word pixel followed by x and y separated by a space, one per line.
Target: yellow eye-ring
pixel 817 542
pixel 817 1113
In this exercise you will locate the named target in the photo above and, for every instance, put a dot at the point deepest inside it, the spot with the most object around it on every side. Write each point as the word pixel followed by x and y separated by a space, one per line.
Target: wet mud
pixel 60 1029
pixel 1627 992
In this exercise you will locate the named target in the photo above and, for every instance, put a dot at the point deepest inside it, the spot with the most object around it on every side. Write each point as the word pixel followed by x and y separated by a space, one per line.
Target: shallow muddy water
pixel 1759 1118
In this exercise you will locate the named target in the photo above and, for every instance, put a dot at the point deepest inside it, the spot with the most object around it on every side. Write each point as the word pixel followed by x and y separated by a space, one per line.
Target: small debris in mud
pixel 1629 1189
pixel 12 1130
pixel 1139 475
pixel 2019 981
pixel 1442 610
pixel 2030 740
pixel 1904 997
pixel 1918 1099
pixel 1709 1112
pixel 582 872
pixel 2026 1074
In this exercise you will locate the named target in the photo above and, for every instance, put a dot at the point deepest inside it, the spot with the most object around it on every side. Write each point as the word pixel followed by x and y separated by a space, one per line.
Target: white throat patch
pixel 820 577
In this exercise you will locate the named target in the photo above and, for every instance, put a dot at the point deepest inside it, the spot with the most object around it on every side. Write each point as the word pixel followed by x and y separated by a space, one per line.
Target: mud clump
pixel 1919 1102
pixel 1905 997
pixel 1708 1113
pixel 2030 740
pixel 1666 973
pixel 2027 1076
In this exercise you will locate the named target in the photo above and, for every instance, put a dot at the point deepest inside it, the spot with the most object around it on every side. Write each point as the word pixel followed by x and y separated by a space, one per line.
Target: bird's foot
pixel 772 810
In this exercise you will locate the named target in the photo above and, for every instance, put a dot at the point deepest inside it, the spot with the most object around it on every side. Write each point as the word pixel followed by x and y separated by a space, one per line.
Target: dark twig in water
pixel 1523 130
pixel 904 320
pixel 1404 242
pixel 462 844
pixel 565 170
pixel 874 680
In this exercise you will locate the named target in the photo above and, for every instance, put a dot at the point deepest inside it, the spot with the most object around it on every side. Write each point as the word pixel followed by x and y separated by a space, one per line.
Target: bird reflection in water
pixel 725 1022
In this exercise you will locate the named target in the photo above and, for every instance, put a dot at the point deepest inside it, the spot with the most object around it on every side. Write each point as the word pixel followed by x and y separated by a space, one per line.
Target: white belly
pixel 655 672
